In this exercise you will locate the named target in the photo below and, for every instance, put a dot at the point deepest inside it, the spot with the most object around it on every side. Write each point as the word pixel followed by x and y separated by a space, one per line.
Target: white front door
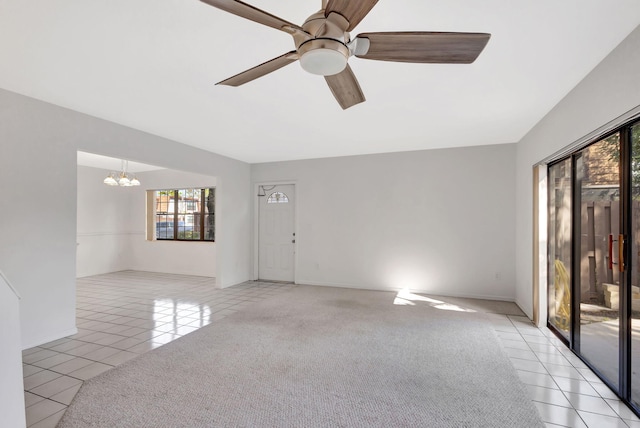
pixel 276 246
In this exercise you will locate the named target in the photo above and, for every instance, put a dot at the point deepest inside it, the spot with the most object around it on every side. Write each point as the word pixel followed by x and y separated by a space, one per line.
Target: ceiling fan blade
pixel 353 10
pixel 260 70
pixel 345 88
pixel 253 13
pixel 424 47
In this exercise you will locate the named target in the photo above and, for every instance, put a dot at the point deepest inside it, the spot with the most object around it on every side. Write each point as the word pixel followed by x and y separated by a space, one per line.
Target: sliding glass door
pixel 594 257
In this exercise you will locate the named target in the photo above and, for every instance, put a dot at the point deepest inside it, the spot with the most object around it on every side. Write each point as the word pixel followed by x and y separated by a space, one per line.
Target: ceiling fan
pixel 323 45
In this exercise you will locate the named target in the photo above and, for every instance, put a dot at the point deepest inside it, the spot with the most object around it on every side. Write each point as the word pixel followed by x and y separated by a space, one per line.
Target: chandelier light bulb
pixel 122 178
pixel 110 180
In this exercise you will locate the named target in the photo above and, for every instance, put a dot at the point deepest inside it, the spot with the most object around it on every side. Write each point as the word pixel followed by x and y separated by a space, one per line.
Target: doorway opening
pixel 122 227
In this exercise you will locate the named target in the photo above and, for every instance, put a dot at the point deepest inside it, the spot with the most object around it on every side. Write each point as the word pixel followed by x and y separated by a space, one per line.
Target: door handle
pixel 293 241
pixel 610 253
pixel 621 253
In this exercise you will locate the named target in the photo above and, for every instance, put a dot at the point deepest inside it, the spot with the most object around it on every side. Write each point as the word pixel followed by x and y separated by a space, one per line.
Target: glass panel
pixel 278 198
pixel 164 214
pixel 209 214
pixel 634 240
pixel 559 297
pixel 598 199
pixel 188 213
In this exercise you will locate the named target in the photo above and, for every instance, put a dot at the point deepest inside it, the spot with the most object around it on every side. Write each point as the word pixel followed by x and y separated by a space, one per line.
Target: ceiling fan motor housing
pixel 323 44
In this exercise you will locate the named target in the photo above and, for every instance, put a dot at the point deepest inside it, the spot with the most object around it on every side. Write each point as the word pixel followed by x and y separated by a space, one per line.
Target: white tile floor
pixel 125 314
pixel 120 316
pixel 563 388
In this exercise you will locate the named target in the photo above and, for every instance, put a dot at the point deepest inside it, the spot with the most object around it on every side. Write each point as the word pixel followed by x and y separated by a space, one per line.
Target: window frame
pixel 277 199
pixel 199 214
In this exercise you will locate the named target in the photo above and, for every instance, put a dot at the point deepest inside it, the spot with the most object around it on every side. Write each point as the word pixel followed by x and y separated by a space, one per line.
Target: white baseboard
pixel 423 291
pixel 343 285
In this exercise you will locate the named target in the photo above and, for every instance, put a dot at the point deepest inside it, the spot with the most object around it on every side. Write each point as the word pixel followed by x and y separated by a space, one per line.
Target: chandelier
pixel 123 178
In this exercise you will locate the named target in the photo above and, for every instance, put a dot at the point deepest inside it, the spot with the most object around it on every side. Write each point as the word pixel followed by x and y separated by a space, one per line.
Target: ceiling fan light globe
pixel 324 62
pixel 324 57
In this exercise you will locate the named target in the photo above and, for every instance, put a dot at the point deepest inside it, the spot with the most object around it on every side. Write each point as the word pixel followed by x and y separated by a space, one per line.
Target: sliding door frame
pixel 625 315
pixel 576 229
pixel 568 341
pixel 626 231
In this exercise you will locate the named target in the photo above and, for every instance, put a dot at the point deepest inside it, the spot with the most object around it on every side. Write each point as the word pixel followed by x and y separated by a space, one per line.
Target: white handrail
pixel 11 287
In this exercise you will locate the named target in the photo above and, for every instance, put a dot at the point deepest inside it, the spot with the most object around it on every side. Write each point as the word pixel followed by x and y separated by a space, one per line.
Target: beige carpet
pixel 317 357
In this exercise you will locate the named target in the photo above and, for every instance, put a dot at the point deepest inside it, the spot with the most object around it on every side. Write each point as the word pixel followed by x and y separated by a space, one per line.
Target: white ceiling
pixel 152 65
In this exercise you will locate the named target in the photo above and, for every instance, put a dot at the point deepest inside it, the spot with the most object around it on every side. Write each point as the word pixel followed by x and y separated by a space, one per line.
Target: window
pixel 185 214
pixel 278 198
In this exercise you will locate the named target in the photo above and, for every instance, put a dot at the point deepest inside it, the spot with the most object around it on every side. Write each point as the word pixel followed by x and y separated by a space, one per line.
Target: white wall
pixel 190 258
pixel 610 90
pixel 438 221
pixel 11 386
pixel 39 144
pixel 103 222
